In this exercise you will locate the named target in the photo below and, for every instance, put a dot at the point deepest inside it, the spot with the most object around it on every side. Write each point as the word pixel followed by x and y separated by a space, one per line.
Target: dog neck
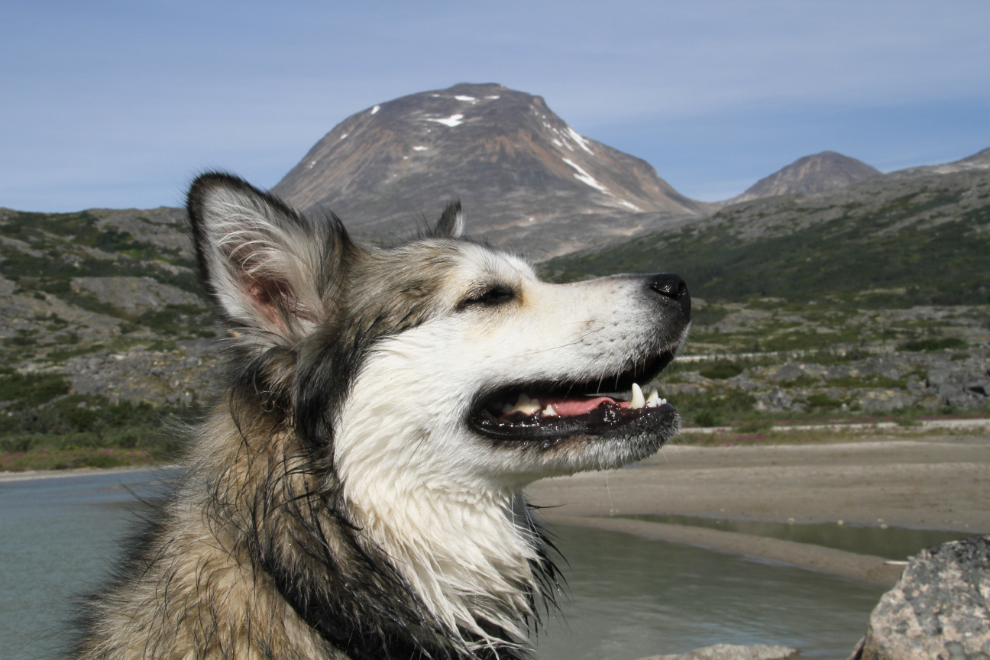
pixel 467 546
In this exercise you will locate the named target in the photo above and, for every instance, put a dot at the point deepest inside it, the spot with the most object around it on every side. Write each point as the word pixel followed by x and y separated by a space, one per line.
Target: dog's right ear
pixel 263 264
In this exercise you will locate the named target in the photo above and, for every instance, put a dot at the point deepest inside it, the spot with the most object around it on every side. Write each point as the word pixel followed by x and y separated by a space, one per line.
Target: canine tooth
pixel 549 411
pixel 652 397
pixel 637 401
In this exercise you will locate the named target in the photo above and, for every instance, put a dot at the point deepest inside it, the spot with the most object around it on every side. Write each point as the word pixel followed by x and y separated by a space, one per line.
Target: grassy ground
pixel 67 459
pixel 44 427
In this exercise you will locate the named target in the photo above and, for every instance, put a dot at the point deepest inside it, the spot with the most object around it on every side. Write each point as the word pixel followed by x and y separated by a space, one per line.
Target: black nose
pixel 673 286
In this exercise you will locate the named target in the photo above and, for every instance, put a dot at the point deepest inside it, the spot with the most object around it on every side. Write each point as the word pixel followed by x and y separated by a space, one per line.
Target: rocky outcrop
pixel 180 376
pixel 959 384
pixel 940 609
pixel 733 652
pixel 133 296
pixel 878 384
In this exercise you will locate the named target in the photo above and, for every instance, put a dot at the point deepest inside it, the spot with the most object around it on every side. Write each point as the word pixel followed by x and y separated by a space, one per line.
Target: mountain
pixel 825 171
pixel 926 238
pixel 527 180
pixel 978 161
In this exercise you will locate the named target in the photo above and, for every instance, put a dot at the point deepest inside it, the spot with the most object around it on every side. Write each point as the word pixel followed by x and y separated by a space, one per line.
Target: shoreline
pixel 865 568
pixel 934 482
pixel 28 475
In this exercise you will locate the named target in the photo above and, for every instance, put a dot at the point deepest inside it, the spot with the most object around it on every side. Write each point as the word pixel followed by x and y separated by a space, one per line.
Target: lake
pixel 626 597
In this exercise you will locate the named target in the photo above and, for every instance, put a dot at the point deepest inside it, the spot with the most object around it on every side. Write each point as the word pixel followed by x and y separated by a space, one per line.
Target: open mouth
pixel 543 411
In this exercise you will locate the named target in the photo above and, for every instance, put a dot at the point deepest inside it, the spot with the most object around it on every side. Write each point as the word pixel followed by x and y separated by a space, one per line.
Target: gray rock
pixel 794 370
pixel 174 377
pixel 878 400
pixel 939 610
pixel 733 652
pixel 776 400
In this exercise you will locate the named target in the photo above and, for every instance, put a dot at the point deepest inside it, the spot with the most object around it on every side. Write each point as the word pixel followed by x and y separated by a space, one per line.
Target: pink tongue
pixel 573 407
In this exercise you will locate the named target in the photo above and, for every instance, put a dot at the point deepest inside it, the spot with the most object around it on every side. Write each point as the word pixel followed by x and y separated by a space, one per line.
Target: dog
pixel 356 491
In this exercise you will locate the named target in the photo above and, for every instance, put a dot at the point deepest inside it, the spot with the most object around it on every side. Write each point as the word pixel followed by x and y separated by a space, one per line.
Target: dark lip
pixel 605 418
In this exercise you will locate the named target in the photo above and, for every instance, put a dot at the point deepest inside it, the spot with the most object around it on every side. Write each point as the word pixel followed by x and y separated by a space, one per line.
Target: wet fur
pixel 332 506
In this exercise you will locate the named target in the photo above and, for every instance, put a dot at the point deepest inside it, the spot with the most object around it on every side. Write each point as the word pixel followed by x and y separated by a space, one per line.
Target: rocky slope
pixel 107 300
pixel 926 237
pixel 527 180
pixel 976 162
pixel 825 171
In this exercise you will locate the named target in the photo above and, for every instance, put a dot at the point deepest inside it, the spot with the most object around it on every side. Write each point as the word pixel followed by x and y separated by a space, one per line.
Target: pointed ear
pixel 265 266
pixel 451 224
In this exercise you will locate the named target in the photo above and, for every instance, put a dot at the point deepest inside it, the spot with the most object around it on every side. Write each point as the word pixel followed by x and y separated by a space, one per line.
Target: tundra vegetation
pixel 867 304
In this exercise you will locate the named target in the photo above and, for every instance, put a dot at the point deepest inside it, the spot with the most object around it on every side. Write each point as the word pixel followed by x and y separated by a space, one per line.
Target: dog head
pixel 419 387
pixel 440 357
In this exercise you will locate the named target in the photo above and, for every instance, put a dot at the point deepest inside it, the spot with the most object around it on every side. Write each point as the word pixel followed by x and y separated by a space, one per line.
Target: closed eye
pixel 489 297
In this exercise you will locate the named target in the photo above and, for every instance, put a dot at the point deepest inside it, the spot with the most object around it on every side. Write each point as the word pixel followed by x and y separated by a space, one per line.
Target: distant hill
pixel 978 161
pixel 526 178
pixel 926 236
pixel 825 171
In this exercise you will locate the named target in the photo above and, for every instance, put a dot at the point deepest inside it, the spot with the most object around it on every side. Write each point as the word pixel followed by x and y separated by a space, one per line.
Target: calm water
pixel 890 542
pixel 631 597
pixel 627 597
pixel 57 537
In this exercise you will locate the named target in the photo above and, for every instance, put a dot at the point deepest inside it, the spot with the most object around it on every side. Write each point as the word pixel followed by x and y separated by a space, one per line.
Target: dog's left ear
pixel 264 265
pixel 451 223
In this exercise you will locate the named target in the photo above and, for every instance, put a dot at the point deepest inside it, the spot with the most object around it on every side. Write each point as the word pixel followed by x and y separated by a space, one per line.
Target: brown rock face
pixel 524 176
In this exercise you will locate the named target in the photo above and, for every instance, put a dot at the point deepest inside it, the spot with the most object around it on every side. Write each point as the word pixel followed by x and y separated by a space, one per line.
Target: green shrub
pixel 714 409
pixel 707 418
pixel 933 344
pixel 721 370
pixel 708 315
pixel 823 402
pixel 804 380
pixel 33 389
pixel 753 426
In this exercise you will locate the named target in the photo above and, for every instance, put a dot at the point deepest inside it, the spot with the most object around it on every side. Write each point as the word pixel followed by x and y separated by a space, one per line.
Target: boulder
pixel 939 610
pixel 733 652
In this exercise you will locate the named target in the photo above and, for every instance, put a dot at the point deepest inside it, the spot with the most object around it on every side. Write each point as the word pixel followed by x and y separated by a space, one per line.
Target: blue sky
pixel 120 104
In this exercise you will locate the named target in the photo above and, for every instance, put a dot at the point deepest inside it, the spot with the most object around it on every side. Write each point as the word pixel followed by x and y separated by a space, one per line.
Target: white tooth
pixel 637 400
pixel 652 397
pixel 507 408
pixel 549 411
pixel 526 405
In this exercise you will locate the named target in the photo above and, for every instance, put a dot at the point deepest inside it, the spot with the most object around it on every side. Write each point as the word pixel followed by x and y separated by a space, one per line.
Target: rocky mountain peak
pixel 521 172
pixel 825 171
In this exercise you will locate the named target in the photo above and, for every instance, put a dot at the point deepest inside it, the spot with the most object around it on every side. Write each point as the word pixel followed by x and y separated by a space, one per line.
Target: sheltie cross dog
pixel 357 491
